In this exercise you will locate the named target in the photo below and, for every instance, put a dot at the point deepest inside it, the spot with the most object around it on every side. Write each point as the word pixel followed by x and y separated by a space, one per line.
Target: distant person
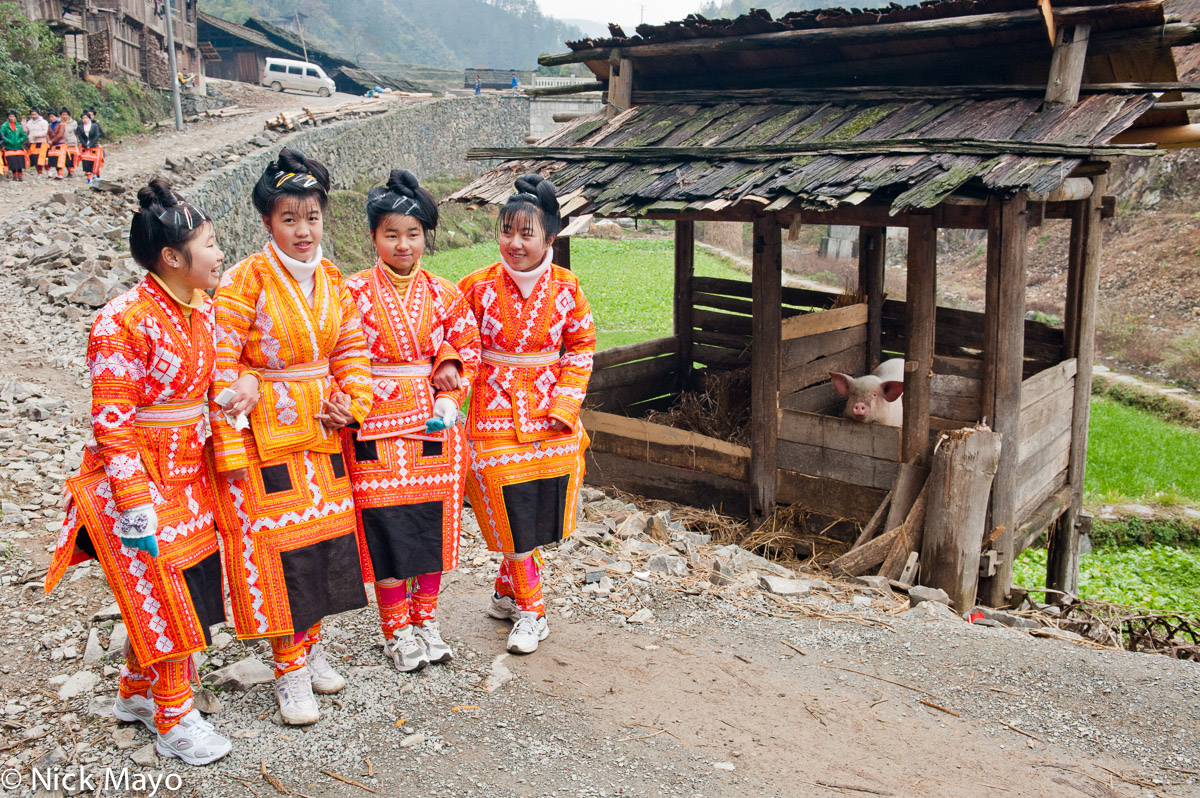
pixel 478 86
pixel 515 85
pixel 71 140
pixel 13 139
pixel 56 156
pixel 91 156
pixel 37 129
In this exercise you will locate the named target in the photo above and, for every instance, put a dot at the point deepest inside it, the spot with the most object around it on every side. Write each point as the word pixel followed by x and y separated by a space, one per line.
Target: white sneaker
pixel 294 692
pixel 436 649
pixel 136 708
pixel 325 680
pixel 406 650
pixel 527 632
pixel 194 740
pixel 504 608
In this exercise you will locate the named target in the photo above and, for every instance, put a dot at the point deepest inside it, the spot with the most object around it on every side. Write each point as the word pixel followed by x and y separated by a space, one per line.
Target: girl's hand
pixel 235 474
pixel 245 396
pixel 336 412
pixel 448 377
pixel 558 426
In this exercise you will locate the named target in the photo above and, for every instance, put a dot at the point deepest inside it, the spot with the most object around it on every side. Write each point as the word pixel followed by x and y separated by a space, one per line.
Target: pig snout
pixel 859 411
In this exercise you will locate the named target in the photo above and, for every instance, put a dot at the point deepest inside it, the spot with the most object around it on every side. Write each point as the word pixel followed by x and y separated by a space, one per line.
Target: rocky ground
pixel 675 666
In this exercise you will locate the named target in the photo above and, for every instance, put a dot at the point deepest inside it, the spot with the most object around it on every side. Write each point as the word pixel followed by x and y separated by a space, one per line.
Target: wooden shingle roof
pixel 814 154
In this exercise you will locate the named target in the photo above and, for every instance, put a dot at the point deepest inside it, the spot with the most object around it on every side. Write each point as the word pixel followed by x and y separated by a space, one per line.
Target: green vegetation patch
pixel 1159 578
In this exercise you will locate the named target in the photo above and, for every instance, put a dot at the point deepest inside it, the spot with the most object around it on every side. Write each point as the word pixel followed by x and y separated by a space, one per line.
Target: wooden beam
pixel 902 146
pixel 921 307
pixel 620 84
pixel 573 88
pixel 685 268
pixel 1006 357
pixel 985 24
pixel 1171 138
pixel 1066 66
pixel 872 247
pixel 980 64
pixel 894 93
pixel 1075 252
pixel 1062 566
pixel 767 296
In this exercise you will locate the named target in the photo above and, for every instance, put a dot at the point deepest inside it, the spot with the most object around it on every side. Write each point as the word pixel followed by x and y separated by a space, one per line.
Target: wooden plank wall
pixel 867 455
pixel 1045 437
pixel 635 379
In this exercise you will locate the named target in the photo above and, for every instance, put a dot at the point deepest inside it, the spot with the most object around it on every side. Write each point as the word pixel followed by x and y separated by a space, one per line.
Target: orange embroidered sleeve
pixel 234 317
pixel 575 365
pixel 117 360
pixel 461 342
pixel 350 360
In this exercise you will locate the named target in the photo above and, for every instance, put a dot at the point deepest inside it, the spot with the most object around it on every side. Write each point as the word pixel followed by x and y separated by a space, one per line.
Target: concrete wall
pixel 431 139
pixel 542 111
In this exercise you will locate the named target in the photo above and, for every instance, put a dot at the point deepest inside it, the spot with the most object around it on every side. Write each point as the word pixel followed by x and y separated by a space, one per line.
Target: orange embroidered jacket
pixel 143 351
pixel 410 336
pixel 537 353
pixel 302 353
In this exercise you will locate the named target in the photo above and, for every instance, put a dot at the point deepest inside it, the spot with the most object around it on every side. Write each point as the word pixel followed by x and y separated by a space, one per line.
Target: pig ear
pixel 892 389
pixel 841 382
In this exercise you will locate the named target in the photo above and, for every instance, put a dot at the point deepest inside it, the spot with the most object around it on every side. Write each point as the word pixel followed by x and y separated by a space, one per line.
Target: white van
pixel 284 73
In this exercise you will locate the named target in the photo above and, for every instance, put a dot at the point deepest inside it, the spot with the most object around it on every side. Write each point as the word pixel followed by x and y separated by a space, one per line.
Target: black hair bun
pixel 543 189
pixel 403 182
pixel 290 160
pixel 157 196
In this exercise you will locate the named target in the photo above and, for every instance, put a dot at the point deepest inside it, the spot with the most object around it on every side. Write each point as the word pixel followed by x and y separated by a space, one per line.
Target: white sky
pixel 627 13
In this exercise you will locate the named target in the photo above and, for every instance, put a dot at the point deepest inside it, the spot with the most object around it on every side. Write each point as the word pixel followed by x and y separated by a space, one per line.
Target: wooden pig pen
pixel 849 118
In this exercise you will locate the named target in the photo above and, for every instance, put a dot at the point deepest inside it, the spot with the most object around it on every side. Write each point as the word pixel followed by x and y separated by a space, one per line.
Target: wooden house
pixel 238 53
pixel 124 38
pixel 965 114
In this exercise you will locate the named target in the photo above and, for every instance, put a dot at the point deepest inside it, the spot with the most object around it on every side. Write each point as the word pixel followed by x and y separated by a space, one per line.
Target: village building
pixel 990 115
pixel 124 38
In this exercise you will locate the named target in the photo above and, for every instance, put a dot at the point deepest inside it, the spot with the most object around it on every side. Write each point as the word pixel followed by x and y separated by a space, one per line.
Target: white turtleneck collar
pixel 303 272
pixel 527 280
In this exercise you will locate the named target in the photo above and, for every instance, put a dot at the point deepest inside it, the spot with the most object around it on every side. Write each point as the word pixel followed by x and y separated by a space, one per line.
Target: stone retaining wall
pixel 431 139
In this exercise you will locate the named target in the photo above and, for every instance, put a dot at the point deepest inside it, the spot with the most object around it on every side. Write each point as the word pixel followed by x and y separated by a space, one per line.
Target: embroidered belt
pixel 317 370
pixel 495 357
pixel 396 370
pixel 171 414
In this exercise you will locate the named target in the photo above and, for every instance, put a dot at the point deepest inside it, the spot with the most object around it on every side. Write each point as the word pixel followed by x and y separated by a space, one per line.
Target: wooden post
pixel 620 84
pixel 766 328
pixel 1075 254
pixel 562 248
pixel 872 247
pixel 960 479
pixel 1062 566
pixel 1066 66
pixel 1006 356
pixel 685 266
pixel 921 310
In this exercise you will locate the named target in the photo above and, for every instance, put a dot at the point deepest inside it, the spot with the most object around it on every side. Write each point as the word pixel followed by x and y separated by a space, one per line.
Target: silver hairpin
pixel 182 215
pixel 412 205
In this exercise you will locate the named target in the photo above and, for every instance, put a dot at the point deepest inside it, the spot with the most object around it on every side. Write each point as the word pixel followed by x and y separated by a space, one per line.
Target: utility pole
pixel 300 30
pixel 167 13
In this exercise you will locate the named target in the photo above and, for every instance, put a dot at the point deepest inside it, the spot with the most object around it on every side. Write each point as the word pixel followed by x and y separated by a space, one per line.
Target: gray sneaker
pixel 194 740
pixel 436 649
pixel 136 708
pixel 406 650
pixel 504 608
pixel 325 680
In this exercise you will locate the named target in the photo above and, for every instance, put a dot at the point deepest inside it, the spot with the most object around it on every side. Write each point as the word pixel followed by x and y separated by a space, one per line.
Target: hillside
pixel 383 34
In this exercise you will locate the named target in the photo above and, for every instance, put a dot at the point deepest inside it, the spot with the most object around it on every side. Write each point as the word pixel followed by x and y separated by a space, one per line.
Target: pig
pixel 874 398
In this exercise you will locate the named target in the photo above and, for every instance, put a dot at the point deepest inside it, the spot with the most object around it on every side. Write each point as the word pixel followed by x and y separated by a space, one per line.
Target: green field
pixel 1135 457
pixel 628 283
pixel 1161 578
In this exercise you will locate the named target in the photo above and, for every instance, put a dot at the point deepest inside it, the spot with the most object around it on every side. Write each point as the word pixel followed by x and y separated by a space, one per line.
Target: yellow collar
pixel 197 296
pixel 399 280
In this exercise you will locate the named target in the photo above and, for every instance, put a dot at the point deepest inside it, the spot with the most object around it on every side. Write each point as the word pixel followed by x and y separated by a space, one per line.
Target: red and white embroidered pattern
pixel 520 400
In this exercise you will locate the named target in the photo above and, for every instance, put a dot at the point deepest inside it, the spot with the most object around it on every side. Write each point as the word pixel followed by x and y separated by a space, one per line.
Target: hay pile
pixel 719 409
